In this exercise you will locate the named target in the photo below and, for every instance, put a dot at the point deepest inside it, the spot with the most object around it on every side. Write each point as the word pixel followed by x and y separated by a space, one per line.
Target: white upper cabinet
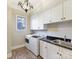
pixel 67 9
pixel 47 15
pixel 34 23
pixel 58 13
pixel 53 15
pixel 37 23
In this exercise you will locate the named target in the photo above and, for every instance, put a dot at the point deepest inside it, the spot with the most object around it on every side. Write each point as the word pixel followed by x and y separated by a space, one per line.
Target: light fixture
pixel 26 5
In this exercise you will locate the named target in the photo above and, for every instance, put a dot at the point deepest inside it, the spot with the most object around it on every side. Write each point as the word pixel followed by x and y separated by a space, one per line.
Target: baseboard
pixel 9 55
pixel 18 46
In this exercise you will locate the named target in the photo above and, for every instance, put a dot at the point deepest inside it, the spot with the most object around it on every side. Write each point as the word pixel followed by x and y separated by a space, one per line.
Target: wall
pixel 9 30
pixel 61 29
pixel 16 38
pixel 58 30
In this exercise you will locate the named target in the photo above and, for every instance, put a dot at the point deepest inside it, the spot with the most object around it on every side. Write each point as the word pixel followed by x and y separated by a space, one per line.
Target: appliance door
pixel 27 43
pixel 34 46
pixel 27 40
pixel 30 44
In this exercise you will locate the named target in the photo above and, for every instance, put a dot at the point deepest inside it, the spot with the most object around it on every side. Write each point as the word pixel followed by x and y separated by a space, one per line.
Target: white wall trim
pixel 9 55
pixel 18 46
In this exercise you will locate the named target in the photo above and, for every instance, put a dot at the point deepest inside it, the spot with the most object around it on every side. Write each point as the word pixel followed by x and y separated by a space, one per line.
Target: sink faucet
pixel 65 37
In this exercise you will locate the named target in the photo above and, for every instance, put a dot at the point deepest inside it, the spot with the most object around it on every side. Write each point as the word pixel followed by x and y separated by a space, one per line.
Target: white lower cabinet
pixel 47 51
pixel 65 56
pixel 65 53
pixel 43 53
pixel 50 51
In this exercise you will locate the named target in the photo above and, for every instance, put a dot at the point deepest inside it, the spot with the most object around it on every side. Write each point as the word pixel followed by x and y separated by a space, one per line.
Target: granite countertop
pixel 61 45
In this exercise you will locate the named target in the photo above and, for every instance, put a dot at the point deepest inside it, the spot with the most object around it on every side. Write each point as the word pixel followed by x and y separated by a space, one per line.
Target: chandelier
pixel 25 5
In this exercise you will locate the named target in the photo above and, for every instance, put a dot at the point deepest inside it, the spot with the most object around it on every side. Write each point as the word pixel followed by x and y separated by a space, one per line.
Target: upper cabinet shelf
pixel 59 13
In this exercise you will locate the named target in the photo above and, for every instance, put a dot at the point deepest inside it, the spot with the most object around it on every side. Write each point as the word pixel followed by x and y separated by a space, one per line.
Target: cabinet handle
pixel 61 18
pixel 64 17
pixel 60 54
pixel 57 52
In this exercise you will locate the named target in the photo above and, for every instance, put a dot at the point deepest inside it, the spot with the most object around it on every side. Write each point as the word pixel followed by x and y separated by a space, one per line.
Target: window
pixel 20 23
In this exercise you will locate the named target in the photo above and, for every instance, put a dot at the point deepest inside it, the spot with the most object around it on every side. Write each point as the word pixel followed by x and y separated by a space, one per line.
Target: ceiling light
pixel 25 5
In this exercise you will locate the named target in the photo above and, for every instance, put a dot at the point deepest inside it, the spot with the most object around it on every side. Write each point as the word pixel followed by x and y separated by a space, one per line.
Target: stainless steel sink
pixel 62 43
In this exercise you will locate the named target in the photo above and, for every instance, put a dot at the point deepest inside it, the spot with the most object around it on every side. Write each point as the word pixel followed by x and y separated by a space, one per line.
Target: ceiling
pixel 38 5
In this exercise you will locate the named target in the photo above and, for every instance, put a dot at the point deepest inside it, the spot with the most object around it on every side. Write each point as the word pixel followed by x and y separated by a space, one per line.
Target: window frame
pixel 17 20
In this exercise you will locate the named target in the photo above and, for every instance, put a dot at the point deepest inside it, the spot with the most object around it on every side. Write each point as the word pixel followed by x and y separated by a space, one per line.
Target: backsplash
pixel 60 29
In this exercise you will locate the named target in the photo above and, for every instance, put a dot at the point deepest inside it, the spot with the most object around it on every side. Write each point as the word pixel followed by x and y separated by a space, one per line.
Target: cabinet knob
pixel 60 54
pixel 64 17
pixel 57 52
pixel 61 18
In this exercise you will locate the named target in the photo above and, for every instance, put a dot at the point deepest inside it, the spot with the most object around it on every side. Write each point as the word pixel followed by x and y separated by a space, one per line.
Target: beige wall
pixel 57 29
pixel 60 27
pixel 9 30
pixel 52 27
pixel 18 36
pixel 15 37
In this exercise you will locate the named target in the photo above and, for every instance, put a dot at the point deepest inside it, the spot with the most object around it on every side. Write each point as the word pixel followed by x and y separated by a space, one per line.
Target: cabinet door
pixel 65 53
pixel 37 23
pixel 57 13
pixel 30 44
pixel 47 16
pixel 65 56
pixel 40 22
pixel 43 53
pixel 34 23
pixel 52 51
pixel 67 10
pixel 34 46
pixel 54 14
